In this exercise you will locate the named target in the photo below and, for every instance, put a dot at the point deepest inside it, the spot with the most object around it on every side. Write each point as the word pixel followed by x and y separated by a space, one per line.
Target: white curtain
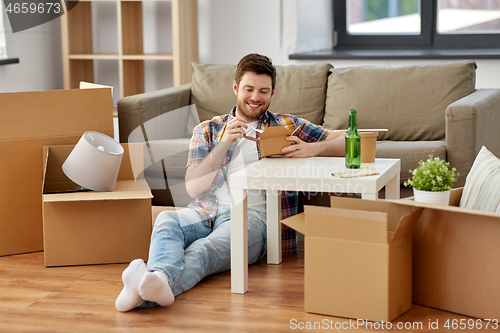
pixel 3 45
pixel 307 25
pixel 315 25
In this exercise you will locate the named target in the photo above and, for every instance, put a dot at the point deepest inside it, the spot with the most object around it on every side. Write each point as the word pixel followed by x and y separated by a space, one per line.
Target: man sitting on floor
pixel 192 243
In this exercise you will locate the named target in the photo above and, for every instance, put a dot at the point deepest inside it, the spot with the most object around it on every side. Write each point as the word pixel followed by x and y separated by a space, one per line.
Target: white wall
pixel 3 50
pixel 39 53
pixel 228 30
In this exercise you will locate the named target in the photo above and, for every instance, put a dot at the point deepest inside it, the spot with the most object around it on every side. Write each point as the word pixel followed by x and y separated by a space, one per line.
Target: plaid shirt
pixel 209 133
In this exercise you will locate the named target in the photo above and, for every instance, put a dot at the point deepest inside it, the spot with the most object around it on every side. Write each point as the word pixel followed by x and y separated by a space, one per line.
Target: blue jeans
pixel 185 248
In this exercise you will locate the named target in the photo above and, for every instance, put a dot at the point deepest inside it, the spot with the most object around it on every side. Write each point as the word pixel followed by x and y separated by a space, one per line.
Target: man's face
pixel 253 95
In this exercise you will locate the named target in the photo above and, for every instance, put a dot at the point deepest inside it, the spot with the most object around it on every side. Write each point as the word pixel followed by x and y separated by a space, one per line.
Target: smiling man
pixel 192 243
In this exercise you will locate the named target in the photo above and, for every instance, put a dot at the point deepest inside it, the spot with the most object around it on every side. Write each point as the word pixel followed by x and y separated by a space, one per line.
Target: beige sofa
pixel 429 109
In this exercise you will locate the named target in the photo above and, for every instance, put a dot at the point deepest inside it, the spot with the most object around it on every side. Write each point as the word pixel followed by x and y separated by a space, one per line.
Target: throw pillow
pixel 410 101
pixel 482 185
pixel 300 90
pixel 212 89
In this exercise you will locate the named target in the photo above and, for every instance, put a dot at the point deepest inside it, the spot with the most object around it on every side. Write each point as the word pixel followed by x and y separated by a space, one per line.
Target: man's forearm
pixel 334 145
pixel 199 177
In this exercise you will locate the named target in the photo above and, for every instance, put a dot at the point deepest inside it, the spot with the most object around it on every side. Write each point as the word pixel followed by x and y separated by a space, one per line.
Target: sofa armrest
pixel 472 122
pixel 135 110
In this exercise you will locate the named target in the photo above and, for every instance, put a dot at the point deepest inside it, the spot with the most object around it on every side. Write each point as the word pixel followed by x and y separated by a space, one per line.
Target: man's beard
pixel 251 115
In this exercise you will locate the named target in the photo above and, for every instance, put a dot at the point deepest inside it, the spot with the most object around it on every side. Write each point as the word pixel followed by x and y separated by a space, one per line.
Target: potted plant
pixel 432 181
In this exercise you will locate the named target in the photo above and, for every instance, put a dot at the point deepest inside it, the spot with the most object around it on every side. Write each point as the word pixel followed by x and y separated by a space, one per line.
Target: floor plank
pixel 81 299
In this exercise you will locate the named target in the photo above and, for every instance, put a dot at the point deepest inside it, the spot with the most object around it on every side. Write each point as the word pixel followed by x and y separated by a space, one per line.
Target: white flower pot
pixel 440 198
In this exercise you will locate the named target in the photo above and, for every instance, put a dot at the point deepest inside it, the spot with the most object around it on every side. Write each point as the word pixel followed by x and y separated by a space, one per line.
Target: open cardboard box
pixel 357 262
pixel 272 140
pixel 456 265
pixel 88 227
pixel 29 121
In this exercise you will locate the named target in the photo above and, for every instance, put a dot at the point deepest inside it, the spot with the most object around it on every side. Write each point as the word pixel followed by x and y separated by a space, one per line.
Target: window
pixel 407 24
pixel 387 17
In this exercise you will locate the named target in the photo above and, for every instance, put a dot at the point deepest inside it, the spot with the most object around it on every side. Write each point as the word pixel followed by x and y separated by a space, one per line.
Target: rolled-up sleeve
pixel 309 132
pixel 198 146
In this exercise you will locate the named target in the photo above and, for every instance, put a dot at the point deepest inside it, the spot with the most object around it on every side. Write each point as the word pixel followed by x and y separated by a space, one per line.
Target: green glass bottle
pixel 352 143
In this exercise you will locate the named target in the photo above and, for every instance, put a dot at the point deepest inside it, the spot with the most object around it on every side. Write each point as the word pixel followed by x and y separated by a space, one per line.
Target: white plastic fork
pixel 257 130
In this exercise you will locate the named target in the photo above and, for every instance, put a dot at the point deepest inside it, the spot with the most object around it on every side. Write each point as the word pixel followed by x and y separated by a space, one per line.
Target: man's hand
pixel 199 176
pixel 299 148
pixel 235 129
pixel 334 145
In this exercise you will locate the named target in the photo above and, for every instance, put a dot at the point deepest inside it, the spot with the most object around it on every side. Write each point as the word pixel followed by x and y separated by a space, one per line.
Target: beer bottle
pixel 352 143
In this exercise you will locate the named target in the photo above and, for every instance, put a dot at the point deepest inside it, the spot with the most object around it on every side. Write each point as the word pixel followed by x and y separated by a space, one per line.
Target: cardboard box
pixel 357 261
pixel 29 121
pixel 87 227
pixel 456 264
pixel 272 140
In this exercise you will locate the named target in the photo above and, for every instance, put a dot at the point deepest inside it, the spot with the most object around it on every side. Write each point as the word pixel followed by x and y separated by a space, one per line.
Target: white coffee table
pixel 295 174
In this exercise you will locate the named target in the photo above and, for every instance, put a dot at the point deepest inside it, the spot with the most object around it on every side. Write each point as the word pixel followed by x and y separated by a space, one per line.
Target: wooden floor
pixel 81 299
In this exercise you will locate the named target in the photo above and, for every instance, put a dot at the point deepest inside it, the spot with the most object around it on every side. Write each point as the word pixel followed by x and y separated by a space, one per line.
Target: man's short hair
pixel 259 64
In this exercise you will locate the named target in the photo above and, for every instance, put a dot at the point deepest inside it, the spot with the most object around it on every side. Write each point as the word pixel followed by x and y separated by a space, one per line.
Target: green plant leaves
pixel 433 175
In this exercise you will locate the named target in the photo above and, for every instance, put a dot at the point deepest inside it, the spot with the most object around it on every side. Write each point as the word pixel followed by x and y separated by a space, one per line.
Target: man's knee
pixel 166 219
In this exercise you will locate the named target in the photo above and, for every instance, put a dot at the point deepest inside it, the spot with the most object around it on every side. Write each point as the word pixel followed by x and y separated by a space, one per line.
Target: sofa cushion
pixel 165 162
pixel 409 101
pixel 481 190
pixel 410 153
pixel 300 90
pixel 212 89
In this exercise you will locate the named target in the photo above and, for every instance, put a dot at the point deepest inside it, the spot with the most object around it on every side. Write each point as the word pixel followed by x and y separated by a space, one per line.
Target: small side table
pixel 295 174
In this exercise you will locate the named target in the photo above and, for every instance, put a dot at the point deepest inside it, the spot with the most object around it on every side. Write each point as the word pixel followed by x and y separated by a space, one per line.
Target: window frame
pixel 428 38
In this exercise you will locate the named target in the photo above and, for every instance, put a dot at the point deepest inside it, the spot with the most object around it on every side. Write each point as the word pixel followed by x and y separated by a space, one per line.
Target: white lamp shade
pixel 95 161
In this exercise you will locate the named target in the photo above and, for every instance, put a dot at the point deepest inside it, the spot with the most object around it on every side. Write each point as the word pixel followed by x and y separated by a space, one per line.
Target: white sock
pixel 154 287
pixel 129 297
